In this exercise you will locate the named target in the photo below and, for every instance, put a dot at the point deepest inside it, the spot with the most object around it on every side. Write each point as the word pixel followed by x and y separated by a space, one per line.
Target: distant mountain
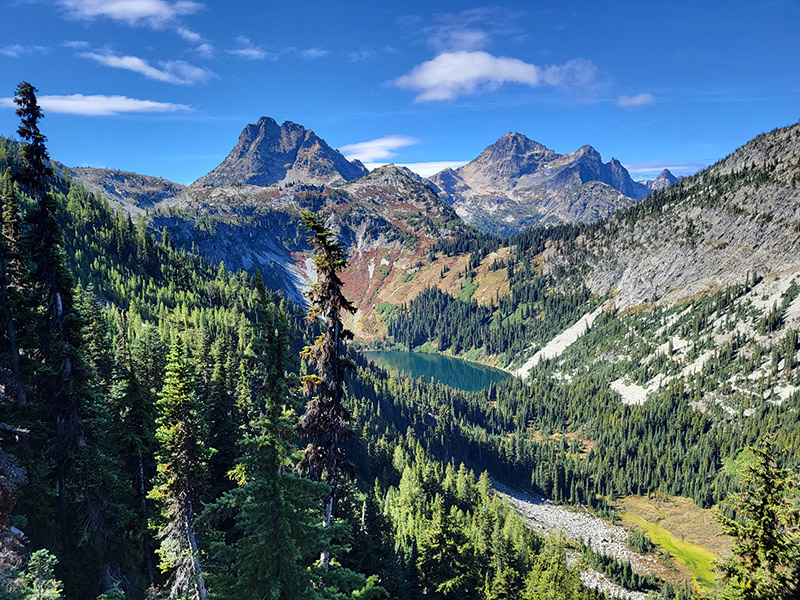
pixel 517 182
pixel 663 181
pixel 272 154
pixel 131 191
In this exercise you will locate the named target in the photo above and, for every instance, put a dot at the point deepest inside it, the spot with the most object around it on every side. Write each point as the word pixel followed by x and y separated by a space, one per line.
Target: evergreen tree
pixel 135 429
pixel 11 272
pixel 277 529
pixel 325 420
pixel 38 582
pixel 444 557
pixel 61 376
pixel 766 549
pixel 36 167
pixel 551 578
pixel 182 466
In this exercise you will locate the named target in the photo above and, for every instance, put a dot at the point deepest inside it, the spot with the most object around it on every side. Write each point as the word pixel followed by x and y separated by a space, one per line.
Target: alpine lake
pixel 455 372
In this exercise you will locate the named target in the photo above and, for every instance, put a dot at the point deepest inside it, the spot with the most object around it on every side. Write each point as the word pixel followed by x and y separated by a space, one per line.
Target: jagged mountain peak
pixel 518 143
pixel 516 182
pixel 589 152
pixel 272 154
pixel 513 148
pixel 664 179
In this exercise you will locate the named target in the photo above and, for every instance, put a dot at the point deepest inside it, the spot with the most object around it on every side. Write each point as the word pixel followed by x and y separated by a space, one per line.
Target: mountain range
pixel 395 222
pixel 517 182
pixel 245 211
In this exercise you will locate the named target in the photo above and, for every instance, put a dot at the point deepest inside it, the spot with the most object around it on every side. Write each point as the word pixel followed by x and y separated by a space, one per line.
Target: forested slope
pixel 149 436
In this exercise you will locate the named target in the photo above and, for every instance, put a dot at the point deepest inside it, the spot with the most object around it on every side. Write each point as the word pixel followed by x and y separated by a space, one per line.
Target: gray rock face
pixel 739 216
pixel 133 192
pixel 517 182
pixel 662 182
pixel 272 154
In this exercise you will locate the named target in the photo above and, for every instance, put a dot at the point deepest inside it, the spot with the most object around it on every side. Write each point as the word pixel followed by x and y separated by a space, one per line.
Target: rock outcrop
pixel 272 154
pixel 517 182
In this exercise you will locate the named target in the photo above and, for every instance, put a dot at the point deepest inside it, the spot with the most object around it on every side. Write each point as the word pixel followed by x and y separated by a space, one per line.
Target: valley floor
pixel 677 519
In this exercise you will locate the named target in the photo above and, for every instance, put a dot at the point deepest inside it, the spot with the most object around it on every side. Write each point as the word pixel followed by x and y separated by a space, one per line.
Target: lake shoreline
pixel 460 373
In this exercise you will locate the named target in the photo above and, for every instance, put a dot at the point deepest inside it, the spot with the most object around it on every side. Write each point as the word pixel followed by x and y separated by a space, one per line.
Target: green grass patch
pixel 406 278
pixel 744 458
pixel 386 309
pixel 697 559
pixel 474 354
pixel 427 348
pixel 468 288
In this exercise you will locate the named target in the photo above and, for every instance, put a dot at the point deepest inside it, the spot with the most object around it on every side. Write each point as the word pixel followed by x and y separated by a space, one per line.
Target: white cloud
pixel 76 44
pixel 171 71
pixel 247 50
pixel 378 149
pixel 16 50
pixel 100 106
pixel 189 35
pixel 153 13
pixel 423 169
pixel 637 100
pixel 453 74
pixel 205 50
pixel 313 53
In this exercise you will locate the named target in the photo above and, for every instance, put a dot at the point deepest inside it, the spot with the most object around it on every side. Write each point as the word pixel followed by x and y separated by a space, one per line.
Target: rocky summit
pixel 663 181
pixel 272 154
pixel 517 182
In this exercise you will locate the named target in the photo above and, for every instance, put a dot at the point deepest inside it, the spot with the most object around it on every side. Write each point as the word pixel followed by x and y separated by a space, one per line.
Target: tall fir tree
pixel 135 428
pixel 765 560
pixel 325 420
pixel 182 468
pixel 277 529
pixel 55 336
pixel 11 279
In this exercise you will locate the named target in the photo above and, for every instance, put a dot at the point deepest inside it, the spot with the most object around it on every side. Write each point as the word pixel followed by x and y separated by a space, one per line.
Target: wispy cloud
pixel 100 106
pixel 457 37
pixel 470 29
pixel 75 44
pixel 152 13
pixel 637 100
pixel 189 35
pixel 379 149
pixel 359 55
pixel 206 50
pixel 248 50
pixel 17 51
pixel 453 74
pixel 423 169
pixel 649 170
pixel 172 71
pixel 313 53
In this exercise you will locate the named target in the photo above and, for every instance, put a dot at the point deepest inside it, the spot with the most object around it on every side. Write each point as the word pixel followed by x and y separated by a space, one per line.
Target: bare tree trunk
pixel 197 571
pixel 148 559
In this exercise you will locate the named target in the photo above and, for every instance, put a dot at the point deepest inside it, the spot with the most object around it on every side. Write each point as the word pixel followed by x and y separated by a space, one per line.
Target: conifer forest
pixel 171 428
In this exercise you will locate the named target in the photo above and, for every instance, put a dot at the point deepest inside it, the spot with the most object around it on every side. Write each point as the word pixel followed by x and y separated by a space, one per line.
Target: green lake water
pixel 455 372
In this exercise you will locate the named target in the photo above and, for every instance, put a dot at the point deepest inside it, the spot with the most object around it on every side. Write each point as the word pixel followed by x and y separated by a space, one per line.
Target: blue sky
pixel 164 87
